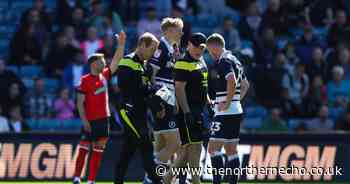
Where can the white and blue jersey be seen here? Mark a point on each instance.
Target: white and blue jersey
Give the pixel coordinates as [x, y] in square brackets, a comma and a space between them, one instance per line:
[228, 65]
[226, 124]
[164, 60]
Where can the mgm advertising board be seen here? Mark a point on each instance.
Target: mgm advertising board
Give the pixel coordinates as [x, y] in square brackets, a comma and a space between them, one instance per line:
[272, 157]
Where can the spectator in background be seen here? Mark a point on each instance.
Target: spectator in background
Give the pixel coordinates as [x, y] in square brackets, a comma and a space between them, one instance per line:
[297, 84]
[150, 24]
[45, 18]
[126, 9]
[274, 123]
[41, 32]
[269, 82]
[338, 88]
[17, 123]
[340, 29]
[305, 45]
[230, 34]
[322, 123]
[343, 60]
[70, 34]
[274, 17]
[250, 22]
[113, 24]
[79, 23]
[60, 55]
[292, 58]
[39, 103]
[64, 106]
[97, 19]
[266, 47]
[316, 97]
[105, 24]
[7, 78]
[294, 12]
[4, 126]
[25, 47]
[109, 48]
[64, 10]
[92, 43]
[340, 55]
[73, 72]
[318, 65]
[14, 98]
[343, 123]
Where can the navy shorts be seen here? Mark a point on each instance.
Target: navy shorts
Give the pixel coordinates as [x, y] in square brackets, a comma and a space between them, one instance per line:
[191, 133]
[167, 124]
[225, 128]
[99, 129]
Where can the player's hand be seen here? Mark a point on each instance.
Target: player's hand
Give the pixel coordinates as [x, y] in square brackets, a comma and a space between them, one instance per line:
[87, 126]
[121, 38]
[223, 106]
[161, 114]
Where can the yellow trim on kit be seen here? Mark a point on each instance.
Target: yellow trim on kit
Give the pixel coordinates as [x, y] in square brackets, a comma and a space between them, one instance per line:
[128, 122]
[184, 65]
[131, 64]
[189, 138]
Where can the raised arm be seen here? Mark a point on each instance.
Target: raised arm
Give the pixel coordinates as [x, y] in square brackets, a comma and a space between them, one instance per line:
[119, 53]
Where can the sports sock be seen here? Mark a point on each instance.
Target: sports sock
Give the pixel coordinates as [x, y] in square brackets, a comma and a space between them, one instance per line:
[96, 158]
[217, 163]
[80, 162]
[233, 163]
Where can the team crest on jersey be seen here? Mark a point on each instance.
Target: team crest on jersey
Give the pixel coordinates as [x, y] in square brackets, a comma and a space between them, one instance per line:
[172, 124]
[157, 53]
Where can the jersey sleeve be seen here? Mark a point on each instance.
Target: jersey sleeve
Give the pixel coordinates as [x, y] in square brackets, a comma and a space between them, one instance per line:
[181, 73]
[107, 73]
[226, 69]
[156, 59]
[82, 87]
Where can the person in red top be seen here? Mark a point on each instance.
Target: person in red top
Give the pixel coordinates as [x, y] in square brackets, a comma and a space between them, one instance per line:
[92, 103]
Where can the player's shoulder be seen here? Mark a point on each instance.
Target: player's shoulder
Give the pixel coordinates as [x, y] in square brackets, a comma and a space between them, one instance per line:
[86, 77]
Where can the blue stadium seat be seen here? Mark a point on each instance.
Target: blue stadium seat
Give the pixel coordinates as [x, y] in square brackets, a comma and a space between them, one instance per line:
[321, 32]
[252, 123]
[246, 44]
[334, 113]
[72, 125]
[294, 123]
[49, 125]
[13, 68]
[28, 83]
[255, 112]
[33, 124]
[30, 71]
[51, 85]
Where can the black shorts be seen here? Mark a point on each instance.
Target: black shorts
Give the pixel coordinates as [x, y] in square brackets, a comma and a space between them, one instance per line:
[226, 128]
[167, 124]
[191, 133]
[99, 129]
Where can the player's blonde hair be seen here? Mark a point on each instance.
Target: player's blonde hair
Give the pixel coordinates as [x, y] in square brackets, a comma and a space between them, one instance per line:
[169, 22]
[147, 38]
[216, 38]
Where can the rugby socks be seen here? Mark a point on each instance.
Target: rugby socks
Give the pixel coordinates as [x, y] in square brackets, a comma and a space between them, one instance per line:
[80, 162]
[233, 163]
[95, 161]
[217, 163]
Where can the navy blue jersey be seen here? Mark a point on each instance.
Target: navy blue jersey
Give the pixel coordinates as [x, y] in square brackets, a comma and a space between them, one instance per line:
[228, 65]
[164, 60]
